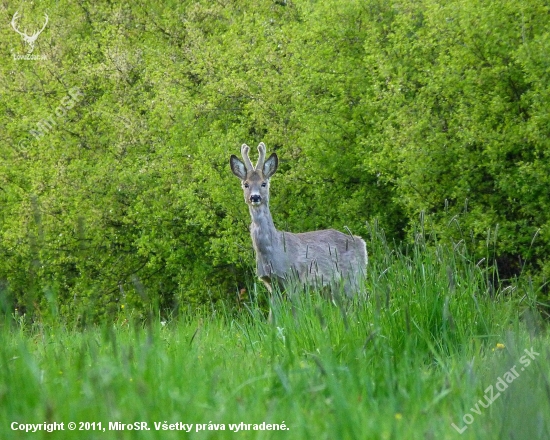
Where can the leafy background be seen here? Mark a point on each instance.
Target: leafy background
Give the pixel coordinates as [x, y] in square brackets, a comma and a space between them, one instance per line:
[399, 113]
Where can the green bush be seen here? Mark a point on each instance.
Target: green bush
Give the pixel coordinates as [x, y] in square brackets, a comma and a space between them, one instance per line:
[378, 111]
[459, 127]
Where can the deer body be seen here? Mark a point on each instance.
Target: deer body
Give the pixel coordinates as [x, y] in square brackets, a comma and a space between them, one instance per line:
[317, 259]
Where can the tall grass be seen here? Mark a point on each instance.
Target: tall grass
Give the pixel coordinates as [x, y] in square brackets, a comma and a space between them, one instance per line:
[406, 362]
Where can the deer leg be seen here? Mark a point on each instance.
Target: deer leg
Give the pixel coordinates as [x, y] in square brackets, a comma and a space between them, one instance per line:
[267, 283]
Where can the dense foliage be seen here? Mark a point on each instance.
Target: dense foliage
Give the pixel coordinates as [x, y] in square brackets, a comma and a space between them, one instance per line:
[114, 144]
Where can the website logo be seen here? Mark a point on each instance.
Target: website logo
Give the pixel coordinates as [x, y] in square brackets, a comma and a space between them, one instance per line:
[29, 40]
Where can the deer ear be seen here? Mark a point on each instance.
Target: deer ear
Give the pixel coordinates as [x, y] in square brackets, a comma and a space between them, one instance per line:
[237, 167]
[270, 166]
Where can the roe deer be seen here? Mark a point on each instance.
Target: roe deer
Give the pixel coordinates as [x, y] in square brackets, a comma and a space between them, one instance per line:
[317, 259]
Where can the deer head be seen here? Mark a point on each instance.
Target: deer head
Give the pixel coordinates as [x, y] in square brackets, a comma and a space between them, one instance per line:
[254, 180]
[28, 39]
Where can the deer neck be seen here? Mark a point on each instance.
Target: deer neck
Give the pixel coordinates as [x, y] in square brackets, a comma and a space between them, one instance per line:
[261, 218]
[262, 229]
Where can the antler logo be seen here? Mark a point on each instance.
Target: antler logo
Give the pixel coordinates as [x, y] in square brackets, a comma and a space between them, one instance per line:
[28, 39]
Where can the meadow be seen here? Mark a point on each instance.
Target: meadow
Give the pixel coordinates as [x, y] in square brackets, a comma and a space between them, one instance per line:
[440, 349]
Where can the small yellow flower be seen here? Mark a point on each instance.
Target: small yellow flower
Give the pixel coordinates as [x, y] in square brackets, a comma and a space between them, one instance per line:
[398, 416]
[122, 306]
[500, 346]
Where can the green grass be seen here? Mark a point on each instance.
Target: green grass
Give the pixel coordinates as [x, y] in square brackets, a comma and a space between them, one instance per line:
[405, 364]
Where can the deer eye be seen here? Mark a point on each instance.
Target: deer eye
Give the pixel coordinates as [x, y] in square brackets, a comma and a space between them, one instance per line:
[246, 185]
[264, 184]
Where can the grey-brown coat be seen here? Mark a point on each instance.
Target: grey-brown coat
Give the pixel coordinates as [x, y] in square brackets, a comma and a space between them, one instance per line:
[317, 259]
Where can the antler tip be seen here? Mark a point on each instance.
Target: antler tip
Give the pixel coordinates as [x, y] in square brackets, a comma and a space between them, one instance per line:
[244, 152]
[261, 159]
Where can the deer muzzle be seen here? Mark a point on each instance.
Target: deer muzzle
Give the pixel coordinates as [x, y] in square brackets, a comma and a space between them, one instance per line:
[255, 198]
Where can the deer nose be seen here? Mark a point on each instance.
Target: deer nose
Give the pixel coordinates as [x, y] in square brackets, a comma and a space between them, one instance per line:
[255, 198]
